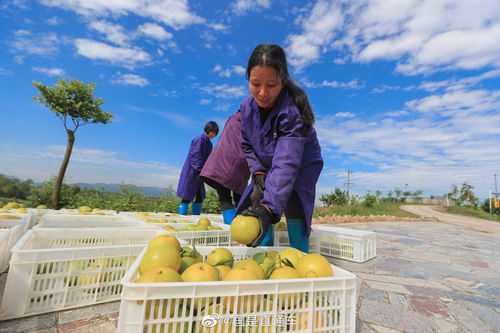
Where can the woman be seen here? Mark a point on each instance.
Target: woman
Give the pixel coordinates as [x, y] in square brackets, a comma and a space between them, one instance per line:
[226, 169]
[281, 147]
[190, 185]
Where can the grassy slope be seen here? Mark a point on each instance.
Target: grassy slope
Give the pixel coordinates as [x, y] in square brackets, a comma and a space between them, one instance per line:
[387, 209]
[474, 212]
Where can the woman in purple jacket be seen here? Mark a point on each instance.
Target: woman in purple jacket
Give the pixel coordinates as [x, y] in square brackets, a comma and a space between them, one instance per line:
[190, 185]
[281, 147]
[226, 169]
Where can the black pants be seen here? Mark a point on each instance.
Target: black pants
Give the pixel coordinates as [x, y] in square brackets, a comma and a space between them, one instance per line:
[197, 199]
[225, 198]
[294, 208]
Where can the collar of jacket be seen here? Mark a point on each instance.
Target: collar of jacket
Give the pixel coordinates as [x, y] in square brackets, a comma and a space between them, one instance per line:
[266, 127]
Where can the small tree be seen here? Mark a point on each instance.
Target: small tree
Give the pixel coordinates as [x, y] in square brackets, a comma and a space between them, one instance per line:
[463, 195]
[74, 104]
[336, 198]
[418, 193]
[369, 200]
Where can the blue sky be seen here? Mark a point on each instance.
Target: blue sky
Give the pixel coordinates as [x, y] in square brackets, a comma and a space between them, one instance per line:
[406, 93]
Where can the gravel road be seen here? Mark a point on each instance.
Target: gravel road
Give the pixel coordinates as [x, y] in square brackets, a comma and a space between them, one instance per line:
[439, 213]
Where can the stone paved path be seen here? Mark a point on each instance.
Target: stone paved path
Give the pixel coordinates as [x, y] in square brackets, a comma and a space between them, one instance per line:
[427, 277]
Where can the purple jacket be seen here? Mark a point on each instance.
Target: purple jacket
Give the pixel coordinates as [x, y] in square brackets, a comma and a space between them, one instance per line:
[285, 150]
[227, 164]
[189, 185]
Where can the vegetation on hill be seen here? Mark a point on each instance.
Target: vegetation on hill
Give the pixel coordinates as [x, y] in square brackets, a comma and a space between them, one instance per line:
[338, 202]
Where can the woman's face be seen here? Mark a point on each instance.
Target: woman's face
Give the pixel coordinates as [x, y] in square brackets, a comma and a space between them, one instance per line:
[264, 85]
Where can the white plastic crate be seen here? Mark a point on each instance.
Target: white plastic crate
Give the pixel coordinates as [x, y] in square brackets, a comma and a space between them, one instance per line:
[281, 239]
[80, 217]
[4, 249]
[20, 217]
[12, 230]
[348, 244]
[274, 305]
[38, 213]
[55, 269]
[184, 225]
[90, 223]
[169, 219]
[204, 237]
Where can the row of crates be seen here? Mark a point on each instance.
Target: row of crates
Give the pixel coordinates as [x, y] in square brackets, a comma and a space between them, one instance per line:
[336, 242]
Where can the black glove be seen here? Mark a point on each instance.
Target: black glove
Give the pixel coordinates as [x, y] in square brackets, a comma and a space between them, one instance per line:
[265, 217]
[259, 179]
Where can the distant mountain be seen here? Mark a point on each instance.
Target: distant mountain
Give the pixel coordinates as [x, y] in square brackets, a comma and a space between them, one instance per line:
[148, 191]
[145, 190]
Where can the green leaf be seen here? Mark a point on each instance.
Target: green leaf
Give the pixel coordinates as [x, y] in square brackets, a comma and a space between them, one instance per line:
[287, 262]
[269, 271]
[227, 262]
[259, 257]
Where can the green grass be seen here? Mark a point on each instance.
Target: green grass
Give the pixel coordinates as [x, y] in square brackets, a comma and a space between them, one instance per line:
[474, 212]
[387, 209]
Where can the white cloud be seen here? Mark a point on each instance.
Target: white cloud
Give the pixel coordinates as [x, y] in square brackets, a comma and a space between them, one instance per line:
[443, 139]
[174, 13]
[345, 115]
[385, 87]
[204, 101]
[53, 20]
[128, 57]
[50, 71]
[167, 93]
[318, 31]
[239, 70]
[457, 102]
[43, 44]
[224, 91]
[241, 7]
[131, 79]
[218, 26]
[422, 35]
[87, 165]
[155, 31]
[468, 82]
[114, 33]
[4, 71]
[353, 84]
[175, 117]
[397, 113]
[19, 59]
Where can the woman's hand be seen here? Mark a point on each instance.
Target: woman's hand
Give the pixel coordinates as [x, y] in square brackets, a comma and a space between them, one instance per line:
[266, 219]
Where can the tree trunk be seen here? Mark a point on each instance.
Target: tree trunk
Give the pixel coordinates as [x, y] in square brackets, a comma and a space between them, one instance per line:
[56, 193]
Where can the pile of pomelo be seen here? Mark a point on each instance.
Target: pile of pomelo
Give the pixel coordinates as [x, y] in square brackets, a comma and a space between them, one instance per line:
[166, 261]
[203, 224]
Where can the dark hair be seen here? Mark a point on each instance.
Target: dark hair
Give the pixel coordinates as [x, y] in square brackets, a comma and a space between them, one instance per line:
[274, 56]
[211, 126]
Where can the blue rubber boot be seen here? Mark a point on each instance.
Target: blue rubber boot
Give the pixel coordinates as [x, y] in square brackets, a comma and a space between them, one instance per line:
[183, 208]
[228, 215]
[297, 234]
[268, 238]
[196, 208]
